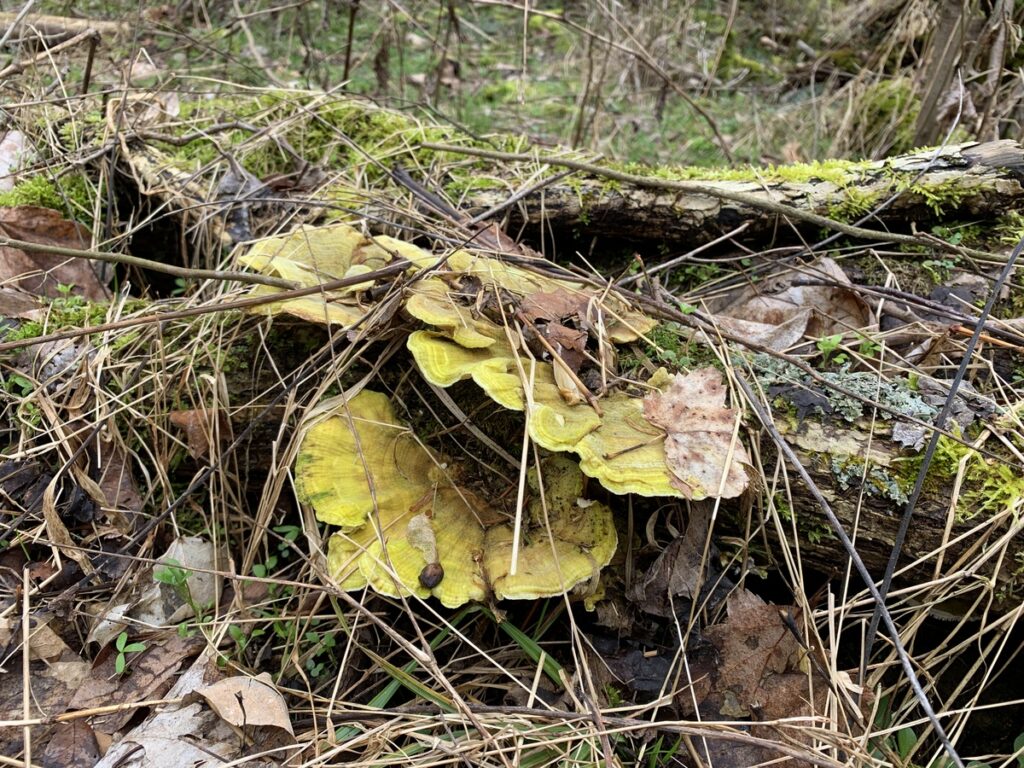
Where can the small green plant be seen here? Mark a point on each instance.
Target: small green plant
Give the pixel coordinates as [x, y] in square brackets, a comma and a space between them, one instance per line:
[17, 384]
[321, 654]
[123, 648]
[243, 638]
[289, 535]
[868, 347]
[938, 269]
[260, 570]
[173, 575]
[827, 345]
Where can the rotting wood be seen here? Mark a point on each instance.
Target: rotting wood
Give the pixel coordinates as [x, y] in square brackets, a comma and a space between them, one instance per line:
[821, 443]
[979, 180]
[57, 26]
[874, 516]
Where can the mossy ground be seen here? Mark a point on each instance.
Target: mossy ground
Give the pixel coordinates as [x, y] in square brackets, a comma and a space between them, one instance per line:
[71, 194]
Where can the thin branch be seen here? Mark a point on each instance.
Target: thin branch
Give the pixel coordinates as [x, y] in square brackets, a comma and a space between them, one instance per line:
[155, 266]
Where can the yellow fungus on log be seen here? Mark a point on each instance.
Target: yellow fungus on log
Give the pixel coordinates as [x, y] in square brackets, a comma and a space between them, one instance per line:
[358, 467]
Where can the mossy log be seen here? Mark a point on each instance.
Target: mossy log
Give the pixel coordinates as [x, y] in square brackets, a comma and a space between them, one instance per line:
[947, 533]
[920, 189]
[868, 501]
[532, 198]
[976, 182]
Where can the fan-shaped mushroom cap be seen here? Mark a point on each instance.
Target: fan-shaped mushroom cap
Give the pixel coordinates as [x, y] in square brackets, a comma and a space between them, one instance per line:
[400, 514]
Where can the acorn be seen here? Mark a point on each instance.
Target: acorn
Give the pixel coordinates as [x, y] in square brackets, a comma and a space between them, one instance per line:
[431, 575]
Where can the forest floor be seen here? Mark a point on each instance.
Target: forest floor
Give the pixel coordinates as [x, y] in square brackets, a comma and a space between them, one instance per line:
[475, 383]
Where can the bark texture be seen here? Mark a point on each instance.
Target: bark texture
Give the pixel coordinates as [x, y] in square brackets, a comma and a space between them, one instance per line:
[972, 181]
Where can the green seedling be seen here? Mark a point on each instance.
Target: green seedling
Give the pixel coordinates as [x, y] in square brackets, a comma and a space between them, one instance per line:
[123, 648]
[827, 345]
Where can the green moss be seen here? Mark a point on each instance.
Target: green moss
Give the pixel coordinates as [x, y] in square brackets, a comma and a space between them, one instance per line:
[336, 134]
[37, 190]
[887, 111]
[235, 357]
[853, 203]
[71, 311]
[991, 486]
[71, 195]
[839, 172]
[782, 507]
[940, 197]
[1009, 227]
[666, 345]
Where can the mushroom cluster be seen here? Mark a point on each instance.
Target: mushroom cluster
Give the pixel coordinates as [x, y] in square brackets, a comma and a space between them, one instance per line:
[536, 344]
[407, 528]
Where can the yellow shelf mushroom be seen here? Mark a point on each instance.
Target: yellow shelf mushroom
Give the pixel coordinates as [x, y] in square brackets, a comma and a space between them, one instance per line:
[406, 528]
[526, 339]
[310, 256]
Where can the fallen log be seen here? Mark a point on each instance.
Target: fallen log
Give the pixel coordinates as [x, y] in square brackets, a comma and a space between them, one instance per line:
[694, 206]
[59, 26]
[856, 461]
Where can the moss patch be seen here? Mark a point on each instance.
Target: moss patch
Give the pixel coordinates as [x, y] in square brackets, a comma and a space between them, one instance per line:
[71, 195]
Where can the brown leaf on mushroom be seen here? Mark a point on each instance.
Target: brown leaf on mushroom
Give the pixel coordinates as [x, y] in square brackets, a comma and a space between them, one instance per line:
[699, 443]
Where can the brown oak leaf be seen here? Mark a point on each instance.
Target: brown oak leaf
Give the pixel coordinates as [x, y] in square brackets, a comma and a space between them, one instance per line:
[699, 441]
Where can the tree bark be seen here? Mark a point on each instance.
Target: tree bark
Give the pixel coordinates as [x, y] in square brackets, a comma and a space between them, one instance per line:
[972, 181]
[943, 538]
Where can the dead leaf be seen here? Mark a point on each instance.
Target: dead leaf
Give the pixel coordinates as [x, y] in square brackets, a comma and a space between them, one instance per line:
[18, 304]
[186, 734]
[51, 684]
[755, 653]
[57, 532]
[198, 426]
[246, 702]
[680, 573]
[780, 311]
[117, 483]
[44, 273]
[567, 342]
[72, 745]
[699, 435]
[553, 306]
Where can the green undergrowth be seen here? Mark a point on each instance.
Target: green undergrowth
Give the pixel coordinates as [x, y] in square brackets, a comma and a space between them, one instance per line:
[665, 345]
[992, 484]
[72, 312]
[70, 194]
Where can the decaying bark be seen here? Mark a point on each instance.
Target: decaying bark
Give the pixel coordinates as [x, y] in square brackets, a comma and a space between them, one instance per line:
[969, 182]
[942, 539]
